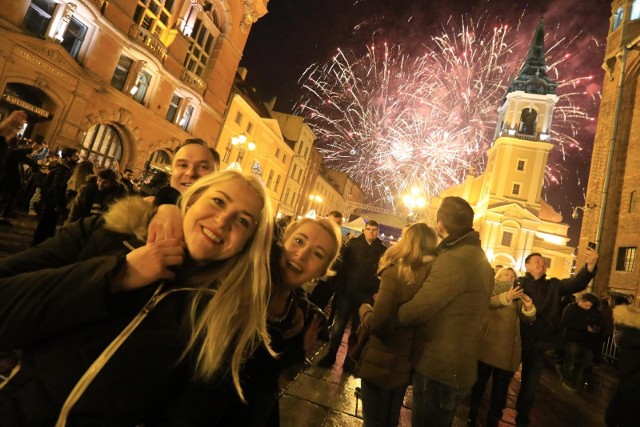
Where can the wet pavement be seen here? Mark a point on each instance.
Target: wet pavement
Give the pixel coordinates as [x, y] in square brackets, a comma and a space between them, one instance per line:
[319, 397]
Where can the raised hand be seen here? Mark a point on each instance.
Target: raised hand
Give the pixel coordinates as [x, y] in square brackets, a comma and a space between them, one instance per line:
[165, 224]
[592, 258]
[514, 293]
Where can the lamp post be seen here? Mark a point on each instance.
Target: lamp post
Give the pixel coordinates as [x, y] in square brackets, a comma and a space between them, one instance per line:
[414, 201]
[314, 198]
[240, 141]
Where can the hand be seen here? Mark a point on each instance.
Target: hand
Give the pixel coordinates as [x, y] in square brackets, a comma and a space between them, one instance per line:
[12, 124]
[149, 264]
[527, 302]
[311, 335]
[592, 259]
[514, 293]
[165, 224]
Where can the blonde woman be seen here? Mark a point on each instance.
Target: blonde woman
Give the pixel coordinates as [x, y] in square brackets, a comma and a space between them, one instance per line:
[499, 349]
[116, 332]
[385, 368]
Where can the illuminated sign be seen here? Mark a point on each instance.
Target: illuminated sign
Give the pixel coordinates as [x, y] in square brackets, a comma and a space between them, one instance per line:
[22, 104]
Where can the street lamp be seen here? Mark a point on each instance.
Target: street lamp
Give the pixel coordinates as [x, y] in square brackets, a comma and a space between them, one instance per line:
[240, 141]
[313, 198]
[414, 201]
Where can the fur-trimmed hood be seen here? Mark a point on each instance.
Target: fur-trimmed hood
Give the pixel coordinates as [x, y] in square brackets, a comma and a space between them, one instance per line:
[627, 316]
[130, 215]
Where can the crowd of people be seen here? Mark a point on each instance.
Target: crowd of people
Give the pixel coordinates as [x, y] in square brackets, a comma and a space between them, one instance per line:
[179, 301]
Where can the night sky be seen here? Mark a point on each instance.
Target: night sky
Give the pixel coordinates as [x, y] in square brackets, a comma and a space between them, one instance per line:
[297, 33]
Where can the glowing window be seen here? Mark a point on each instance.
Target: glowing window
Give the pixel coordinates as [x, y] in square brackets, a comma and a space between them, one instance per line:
[635, 10]
[617, 19]
[103, 145]
[626, 259]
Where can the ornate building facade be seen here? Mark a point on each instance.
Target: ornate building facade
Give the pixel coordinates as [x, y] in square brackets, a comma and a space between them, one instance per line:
[122, 80]
[611, 213]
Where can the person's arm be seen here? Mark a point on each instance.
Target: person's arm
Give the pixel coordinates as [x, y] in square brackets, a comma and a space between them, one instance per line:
[584, 276]
[444, 283]
[10, 126]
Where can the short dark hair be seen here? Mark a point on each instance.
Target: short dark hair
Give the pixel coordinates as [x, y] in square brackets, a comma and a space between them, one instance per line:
[108, 174]
[456, 215]
[67, 152]
[373, 223]
[335, 214]
[127, 170]
[531, 255]
[592, 298]
[200, 141]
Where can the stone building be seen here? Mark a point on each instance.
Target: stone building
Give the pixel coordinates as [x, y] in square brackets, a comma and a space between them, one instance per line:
[611, 215]
[123, 80]
[510, 214]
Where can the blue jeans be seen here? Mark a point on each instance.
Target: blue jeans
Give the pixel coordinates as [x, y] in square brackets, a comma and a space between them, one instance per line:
[380, 407]
[532, 367]
[347, 308]
[434, 404]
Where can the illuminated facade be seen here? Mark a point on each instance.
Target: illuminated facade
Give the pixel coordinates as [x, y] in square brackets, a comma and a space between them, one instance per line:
[511, 216]
[123, 80]
[611, 213]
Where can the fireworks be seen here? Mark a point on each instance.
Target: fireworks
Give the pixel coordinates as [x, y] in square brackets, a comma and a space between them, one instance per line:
[392, 120]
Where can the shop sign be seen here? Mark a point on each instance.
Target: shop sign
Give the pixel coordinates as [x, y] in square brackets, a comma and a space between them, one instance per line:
[25, 105]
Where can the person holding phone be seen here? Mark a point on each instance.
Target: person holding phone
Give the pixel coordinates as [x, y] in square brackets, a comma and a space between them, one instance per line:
[545, 333]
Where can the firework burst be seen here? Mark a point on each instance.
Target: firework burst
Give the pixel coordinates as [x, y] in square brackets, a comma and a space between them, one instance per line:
[393, 120]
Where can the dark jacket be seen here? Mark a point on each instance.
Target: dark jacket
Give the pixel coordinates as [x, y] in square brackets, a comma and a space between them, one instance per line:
[386, 361]
[449, 310]
[54, 189]
[575, 321]
[55, 304]
[13, 175]
[546, 294]
[92, 201]
[357, 274]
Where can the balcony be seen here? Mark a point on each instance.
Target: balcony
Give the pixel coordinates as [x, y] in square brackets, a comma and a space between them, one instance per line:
[149, 41]
[193, 80]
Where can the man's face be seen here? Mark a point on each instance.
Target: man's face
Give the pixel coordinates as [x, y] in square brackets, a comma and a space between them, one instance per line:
[536, 267]
[370, 233]
[584, 304]
[336, 219]
[103, 184]
[190, 163]
[128, 175]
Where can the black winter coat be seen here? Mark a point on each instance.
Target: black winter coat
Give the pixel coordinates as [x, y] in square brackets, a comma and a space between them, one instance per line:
[575, 321]
[91, 201]
[56, 305]
[54, 189]
[546, 331]
[359, 266]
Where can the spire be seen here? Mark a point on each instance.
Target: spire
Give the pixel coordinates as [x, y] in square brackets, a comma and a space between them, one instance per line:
[533, 76]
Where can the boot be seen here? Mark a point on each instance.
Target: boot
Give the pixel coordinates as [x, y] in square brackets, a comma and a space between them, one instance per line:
[328, 360]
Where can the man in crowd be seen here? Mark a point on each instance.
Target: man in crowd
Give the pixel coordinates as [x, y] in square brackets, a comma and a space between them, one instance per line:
[545, 333]
[127, 180]
[95, 197]
[54, 195]
[357, 283]
[448, 311]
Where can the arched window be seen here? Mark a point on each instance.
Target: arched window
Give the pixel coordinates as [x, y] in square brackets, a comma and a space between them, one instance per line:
[201, 29]
[635, 10]
[528, 119]
[103, 145]
[617, 19]
[159, 159]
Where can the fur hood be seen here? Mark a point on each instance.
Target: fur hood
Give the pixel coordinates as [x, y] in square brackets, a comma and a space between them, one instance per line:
[130, 215]
[627, 316]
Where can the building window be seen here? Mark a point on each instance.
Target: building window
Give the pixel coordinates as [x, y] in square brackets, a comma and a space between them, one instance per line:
[227, 153]
[201, 28]
[547, 261]
[506, 238]
[186, 117]
[275, 187]
[142, 85]
[102, 145]
[39, 16]
[159, 159]
[238, 118]
[521, 165]
[528, 118]
[626, 258]
[299, 173]
[286, 195]
[635, 10]
[617, 19]
[284, 158]
[293, 171]
[306, 151]
[270, 178]
[277, 153]
[516, 189]
[74, 37]
[153, 15]
[633, 202]
[249, 128]
[122, 72]
[174, 105]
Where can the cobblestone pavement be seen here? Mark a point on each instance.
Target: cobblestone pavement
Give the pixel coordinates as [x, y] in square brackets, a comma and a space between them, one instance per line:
[326, 397]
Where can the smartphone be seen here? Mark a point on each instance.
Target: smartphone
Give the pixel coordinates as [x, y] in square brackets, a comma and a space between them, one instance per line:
[591, 245]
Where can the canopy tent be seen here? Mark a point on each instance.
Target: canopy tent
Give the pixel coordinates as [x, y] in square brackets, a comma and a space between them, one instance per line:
[357, 224]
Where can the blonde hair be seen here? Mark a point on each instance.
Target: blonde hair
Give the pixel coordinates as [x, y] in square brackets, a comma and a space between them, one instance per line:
[418, 241]
[500, 273]
[230, 325]
[327, 225]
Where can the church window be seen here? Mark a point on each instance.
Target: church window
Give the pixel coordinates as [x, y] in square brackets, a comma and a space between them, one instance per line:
[507, 237]
[516, 189]
[102, 145]
[617, 19]
[635, 10]
[626, 258]
[528, 119]
[521, 164]
[633, 202]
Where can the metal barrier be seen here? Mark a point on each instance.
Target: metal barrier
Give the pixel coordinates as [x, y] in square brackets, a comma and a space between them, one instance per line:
[609, 348]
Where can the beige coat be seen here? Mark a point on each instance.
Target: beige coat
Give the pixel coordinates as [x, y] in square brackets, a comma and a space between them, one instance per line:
[500, 341]
[387, 358]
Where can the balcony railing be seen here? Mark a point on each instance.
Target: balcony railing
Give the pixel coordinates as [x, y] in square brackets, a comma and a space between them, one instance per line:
[193, 80]
[149, 41]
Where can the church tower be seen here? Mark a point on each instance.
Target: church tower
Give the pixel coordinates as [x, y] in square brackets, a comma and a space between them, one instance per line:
[521, 147]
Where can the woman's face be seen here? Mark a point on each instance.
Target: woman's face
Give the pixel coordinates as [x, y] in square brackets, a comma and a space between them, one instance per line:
[305, 255]
[508, 276]
[219, 223]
